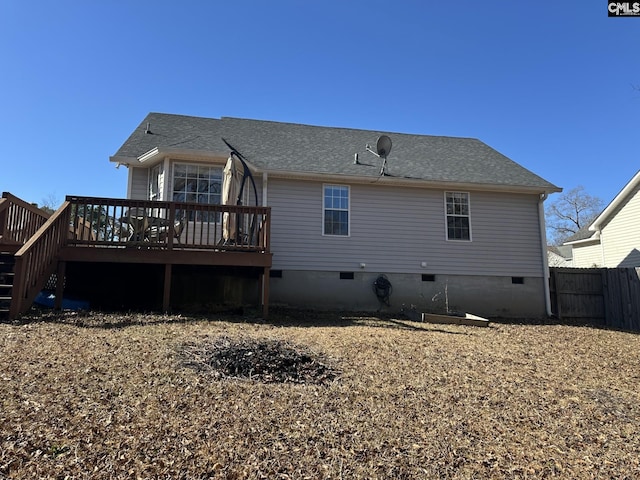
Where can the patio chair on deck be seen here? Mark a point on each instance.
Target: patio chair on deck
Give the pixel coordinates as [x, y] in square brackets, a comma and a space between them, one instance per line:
[138, 225]
[160, 233]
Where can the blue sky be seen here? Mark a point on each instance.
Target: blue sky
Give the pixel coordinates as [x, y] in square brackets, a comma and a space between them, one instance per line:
[553, 85]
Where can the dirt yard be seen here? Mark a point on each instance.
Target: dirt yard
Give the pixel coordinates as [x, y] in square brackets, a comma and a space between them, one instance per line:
[106, 397]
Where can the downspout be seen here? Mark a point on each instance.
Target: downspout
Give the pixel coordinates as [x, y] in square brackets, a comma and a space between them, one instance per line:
[545, 260]
[599, 235]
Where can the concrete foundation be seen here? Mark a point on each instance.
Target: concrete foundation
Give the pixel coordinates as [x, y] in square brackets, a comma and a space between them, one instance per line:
[508, 297]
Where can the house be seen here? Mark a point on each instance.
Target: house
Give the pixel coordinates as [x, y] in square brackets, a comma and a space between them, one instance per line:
[559, 256]
[444, 223]
[613, 238]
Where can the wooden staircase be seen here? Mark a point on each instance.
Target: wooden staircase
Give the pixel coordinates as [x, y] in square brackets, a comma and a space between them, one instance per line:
[7, 274]
[21, 266]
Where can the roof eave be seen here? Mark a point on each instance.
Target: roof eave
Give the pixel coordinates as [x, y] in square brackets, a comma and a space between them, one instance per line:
[595, 238]
[160, 153]
[615, 203]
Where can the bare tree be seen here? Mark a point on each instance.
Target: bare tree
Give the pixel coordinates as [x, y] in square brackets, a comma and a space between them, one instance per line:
[570, 212]
[50, 203]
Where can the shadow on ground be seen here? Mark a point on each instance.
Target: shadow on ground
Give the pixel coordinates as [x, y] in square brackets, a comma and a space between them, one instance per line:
[280, 316]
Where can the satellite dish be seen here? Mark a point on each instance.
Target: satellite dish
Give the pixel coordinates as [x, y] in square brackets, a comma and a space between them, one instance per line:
[383, 146]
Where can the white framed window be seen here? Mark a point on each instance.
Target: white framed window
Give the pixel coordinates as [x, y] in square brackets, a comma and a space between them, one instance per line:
[335, 210]
[458, 215]
[155, 179]
[197, 184]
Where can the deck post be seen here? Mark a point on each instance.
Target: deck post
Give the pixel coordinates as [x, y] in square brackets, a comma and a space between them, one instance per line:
[62, 267]
[265, 292]
[166, 296]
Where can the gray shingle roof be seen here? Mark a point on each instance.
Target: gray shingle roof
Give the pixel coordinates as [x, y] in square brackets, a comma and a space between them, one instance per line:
[581, 234]
[287, 147]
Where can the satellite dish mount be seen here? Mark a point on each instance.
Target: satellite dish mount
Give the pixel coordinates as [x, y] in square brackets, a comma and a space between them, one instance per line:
[383, 147]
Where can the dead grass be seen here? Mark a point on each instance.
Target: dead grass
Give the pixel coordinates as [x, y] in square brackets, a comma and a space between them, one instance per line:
[106, 397]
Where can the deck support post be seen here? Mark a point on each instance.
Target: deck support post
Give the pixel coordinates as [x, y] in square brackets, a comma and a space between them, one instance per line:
[264, 281]
[166, 296]
[62, 268]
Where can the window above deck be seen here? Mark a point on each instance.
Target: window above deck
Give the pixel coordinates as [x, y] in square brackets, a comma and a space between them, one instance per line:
[196, 183]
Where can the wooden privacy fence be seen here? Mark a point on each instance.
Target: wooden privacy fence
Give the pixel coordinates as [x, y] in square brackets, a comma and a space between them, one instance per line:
[601, 296]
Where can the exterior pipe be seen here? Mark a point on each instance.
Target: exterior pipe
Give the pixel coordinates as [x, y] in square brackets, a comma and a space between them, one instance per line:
[599, 235]
[545, 260]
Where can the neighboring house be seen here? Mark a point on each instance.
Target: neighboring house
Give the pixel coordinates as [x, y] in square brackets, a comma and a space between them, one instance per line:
[613, 238]
[559, 256]
[448, 221]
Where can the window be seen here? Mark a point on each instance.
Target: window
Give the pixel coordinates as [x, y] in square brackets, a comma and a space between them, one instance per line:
[336, 210]
[197, 183]
[458, 220]
[155, 179]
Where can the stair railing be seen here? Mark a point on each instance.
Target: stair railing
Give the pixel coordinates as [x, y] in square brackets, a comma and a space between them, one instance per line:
[37, 260]
[19, 220]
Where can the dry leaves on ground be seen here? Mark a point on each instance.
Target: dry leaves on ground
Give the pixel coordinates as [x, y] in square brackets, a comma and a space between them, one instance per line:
[106, 396]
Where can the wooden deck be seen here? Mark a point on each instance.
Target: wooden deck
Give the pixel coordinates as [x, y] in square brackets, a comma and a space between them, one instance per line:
[107, 231]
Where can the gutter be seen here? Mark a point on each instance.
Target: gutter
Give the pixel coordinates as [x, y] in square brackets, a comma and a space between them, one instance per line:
[545, 259]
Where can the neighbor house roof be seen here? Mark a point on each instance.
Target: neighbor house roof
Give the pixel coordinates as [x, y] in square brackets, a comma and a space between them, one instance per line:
[581, 236]
[288, 148]
[564, 251]
[591, 232]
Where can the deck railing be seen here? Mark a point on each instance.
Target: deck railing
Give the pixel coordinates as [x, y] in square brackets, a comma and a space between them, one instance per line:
[109, 222]
[119, 223]
[19, 220]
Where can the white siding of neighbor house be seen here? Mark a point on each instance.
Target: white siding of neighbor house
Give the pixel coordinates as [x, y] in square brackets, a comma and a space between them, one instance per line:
[620, 237]
[587, 255]
[395, 229]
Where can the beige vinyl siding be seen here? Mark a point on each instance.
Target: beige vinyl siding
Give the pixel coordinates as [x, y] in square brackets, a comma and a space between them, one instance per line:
[621, 236]
[587, 255]
[394, 230]
[139, 183]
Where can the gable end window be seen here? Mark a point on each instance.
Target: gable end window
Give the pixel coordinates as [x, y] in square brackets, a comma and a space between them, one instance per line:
[336, 210]
[458, 216]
